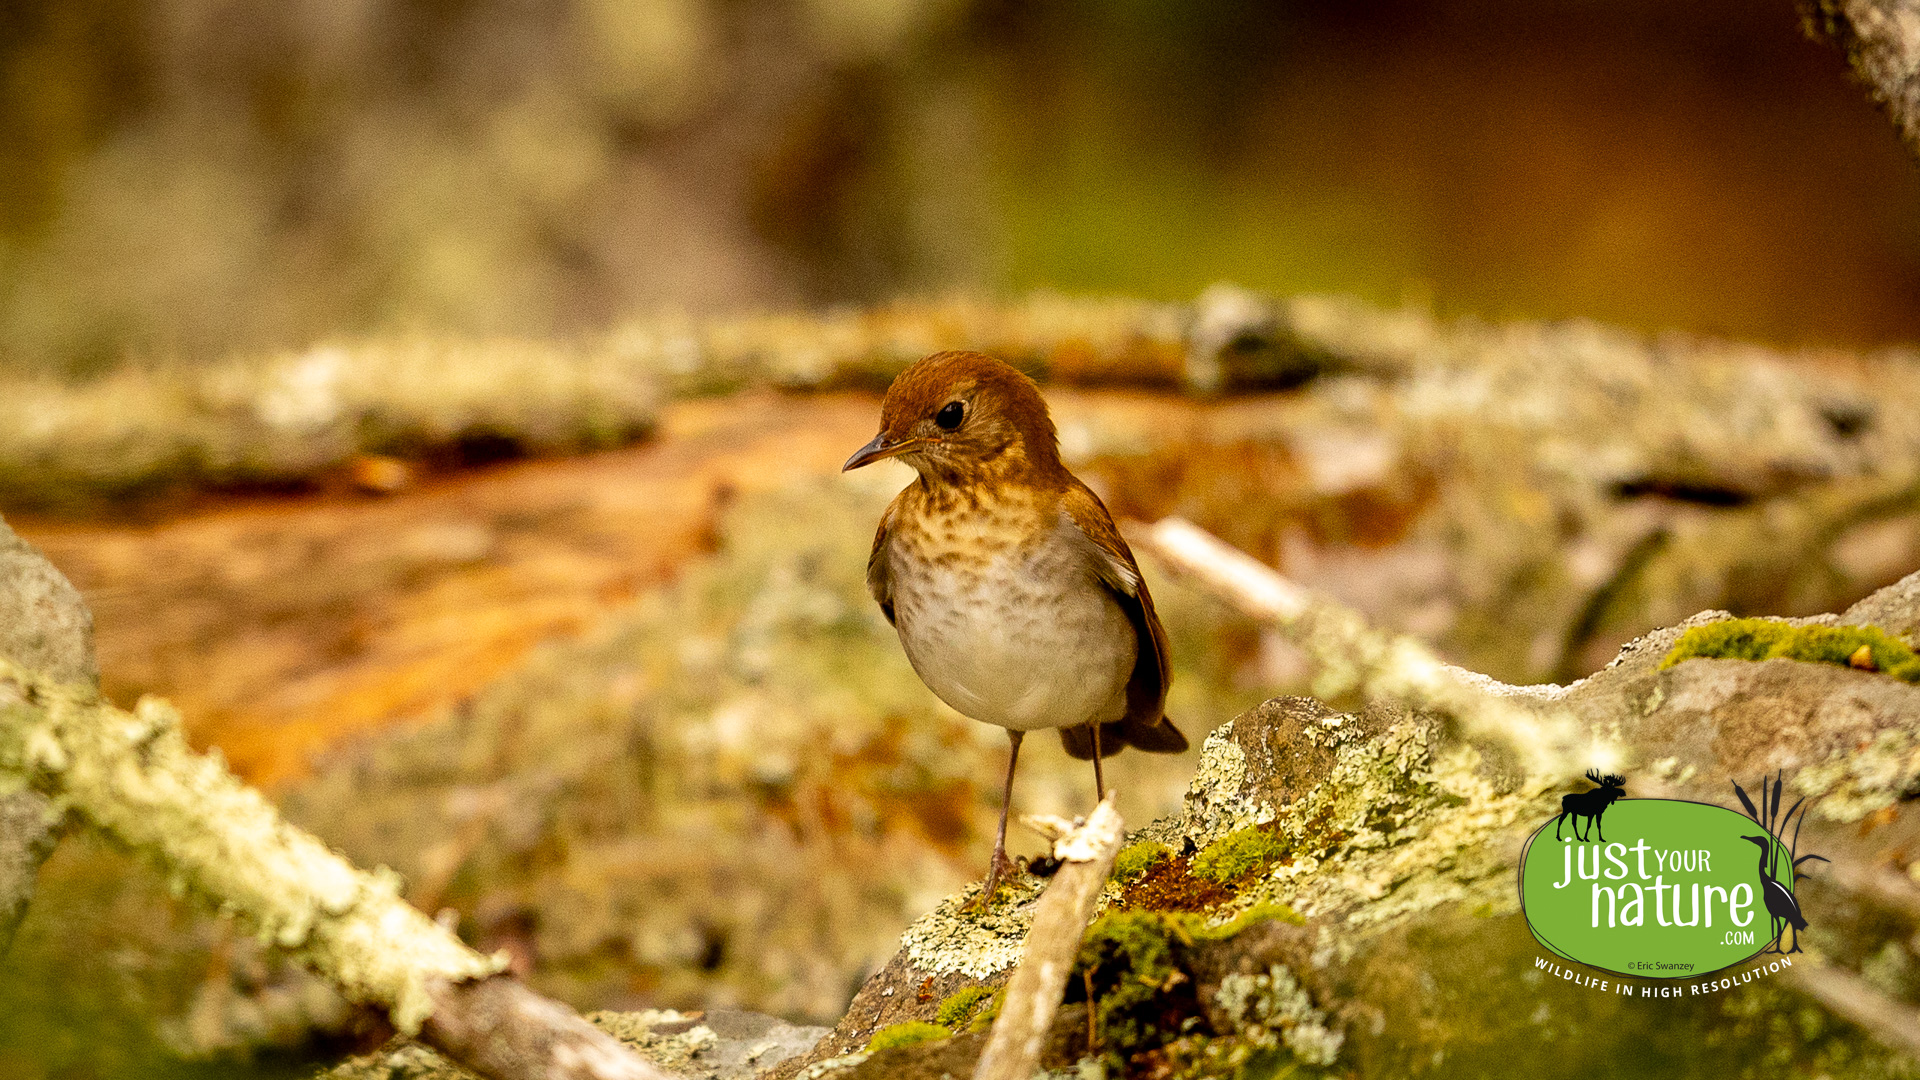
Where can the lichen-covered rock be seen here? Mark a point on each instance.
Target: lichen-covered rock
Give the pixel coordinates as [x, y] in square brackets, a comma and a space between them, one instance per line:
[1403, 950]
[44, 624]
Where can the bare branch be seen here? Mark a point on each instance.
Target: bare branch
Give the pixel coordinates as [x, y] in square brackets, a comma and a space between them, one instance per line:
[133, 776]
[1354, 657]
[1059, 920]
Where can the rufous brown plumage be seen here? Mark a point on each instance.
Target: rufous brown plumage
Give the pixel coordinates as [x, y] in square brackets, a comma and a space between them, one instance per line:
[1015, 597]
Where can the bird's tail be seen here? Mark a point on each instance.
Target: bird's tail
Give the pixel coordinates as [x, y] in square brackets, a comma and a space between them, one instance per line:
[1159, 737]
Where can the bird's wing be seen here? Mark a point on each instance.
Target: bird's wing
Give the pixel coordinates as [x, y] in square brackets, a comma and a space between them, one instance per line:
[1086, 522]
[879, 575]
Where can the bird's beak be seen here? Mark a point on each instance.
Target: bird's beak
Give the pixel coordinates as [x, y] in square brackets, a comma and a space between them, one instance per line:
[876, 450]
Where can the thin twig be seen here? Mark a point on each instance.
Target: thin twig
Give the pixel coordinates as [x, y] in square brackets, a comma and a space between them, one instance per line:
[1086, 854]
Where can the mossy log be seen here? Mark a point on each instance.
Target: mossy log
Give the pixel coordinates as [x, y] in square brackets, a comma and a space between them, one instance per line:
[291, 417]
[282, 420]
[1525, 497]
[133, 777]
[1379, 934]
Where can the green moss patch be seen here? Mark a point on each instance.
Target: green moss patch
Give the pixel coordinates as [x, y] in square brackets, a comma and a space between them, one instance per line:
[907, 1034]
[959, 1008]
[1166, 885]
[1133, 960]
[1153, 878]
[1239, 854]
[1766, 639]
[1136, 859]
[1137, 963]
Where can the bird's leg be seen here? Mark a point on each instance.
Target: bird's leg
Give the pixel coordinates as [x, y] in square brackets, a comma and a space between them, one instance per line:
[1000, 864]
[1099, 781]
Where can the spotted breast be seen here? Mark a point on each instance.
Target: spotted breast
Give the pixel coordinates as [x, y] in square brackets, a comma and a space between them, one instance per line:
[985, 599]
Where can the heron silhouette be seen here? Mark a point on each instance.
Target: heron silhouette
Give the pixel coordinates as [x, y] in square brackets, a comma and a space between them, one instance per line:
[1780, 902]
[1779, 898]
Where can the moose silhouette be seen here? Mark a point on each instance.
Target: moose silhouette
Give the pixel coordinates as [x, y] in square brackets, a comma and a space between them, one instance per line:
[1590, 804]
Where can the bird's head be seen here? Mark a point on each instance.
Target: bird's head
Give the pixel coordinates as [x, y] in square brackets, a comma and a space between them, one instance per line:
[1765, 842]
[956, 416]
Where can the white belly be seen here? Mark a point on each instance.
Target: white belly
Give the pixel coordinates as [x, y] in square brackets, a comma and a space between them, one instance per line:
[1025, 644]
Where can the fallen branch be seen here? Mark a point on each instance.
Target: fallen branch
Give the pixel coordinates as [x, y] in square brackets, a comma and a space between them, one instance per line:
[1086, 855]
[133, 776]
[1353, 657]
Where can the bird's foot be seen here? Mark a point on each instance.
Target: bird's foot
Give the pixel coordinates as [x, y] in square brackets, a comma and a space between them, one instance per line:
[1000, 869]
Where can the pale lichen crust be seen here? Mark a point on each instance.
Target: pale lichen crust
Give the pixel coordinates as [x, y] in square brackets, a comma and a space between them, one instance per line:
[133, 776]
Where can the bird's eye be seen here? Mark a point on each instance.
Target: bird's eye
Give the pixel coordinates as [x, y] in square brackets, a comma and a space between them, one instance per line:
[950, 415]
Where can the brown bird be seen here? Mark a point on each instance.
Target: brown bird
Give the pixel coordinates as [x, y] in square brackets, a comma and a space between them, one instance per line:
[1015, 598]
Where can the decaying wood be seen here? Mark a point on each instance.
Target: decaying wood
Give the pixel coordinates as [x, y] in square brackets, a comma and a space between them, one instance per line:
[1354, 657]
[299, 415]
[1882, 41]
[132, 776]
[1086, 855]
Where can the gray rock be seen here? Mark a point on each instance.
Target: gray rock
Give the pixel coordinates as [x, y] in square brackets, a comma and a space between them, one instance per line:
[44, 626]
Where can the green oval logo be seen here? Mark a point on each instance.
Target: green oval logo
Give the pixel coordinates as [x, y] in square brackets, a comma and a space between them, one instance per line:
[1674, 890]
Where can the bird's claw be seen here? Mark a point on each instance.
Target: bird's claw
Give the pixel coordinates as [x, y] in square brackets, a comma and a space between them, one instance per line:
[999, 870]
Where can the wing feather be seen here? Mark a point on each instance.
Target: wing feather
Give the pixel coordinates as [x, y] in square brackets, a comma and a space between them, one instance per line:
[879, 573]
[1111, 560]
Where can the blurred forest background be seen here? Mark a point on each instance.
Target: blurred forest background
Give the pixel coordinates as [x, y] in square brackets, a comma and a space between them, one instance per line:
[629, 715]
[183, 178]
